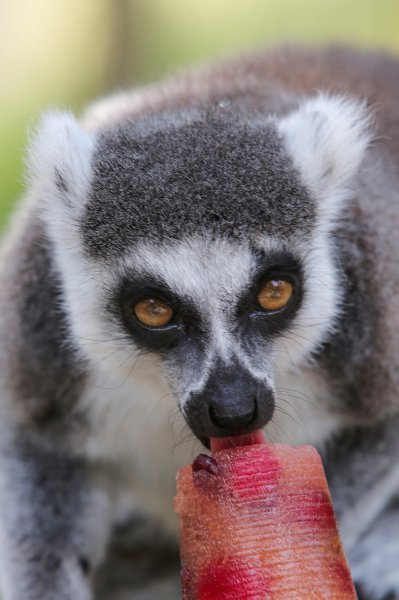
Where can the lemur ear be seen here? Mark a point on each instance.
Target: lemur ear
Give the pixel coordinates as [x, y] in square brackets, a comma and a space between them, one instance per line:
[327, 137]
[59, 160]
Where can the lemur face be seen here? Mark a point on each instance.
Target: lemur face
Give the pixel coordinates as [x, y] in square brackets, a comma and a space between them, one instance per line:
[212, 310]
[203, 239]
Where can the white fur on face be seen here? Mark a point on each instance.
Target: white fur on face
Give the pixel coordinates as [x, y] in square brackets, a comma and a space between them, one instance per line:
[211, 275]
[215, 275]
[320, 306]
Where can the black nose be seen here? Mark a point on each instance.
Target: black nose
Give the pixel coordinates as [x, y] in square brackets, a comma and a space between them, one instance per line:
[231, 403]
[235, 422]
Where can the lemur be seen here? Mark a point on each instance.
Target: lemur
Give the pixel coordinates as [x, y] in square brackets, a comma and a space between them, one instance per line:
[212, 254]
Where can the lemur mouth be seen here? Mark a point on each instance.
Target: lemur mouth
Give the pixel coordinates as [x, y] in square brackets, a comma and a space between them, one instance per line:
[246, 439]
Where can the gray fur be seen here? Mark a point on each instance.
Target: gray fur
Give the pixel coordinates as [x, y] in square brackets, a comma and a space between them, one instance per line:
[184, 173]
[35, 333]
[362, 355]
[373, 451]
[195, 168]
[45, 500]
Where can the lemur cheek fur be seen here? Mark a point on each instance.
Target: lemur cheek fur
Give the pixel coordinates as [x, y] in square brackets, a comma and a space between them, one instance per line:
[199, 258]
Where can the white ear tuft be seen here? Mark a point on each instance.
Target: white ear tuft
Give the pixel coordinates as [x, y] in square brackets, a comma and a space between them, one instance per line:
[327, 137]
[59, 159]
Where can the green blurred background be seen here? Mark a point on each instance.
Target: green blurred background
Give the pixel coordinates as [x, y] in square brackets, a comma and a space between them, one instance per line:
[67, 52]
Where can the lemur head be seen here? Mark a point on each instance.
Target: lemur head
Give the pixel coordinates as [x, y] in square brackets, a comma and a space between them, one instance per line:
[203, 238]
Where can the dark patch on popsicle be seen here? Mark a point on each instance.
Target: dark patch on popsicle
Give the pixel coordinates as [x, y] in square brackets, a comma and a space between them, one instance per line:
[203, 462]
[206, 473]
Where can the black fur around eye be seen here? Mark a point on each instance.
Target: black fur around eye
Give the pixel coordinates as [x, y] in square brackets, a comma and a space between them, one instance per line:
[153, 316]
[160, 332]
[275, 296]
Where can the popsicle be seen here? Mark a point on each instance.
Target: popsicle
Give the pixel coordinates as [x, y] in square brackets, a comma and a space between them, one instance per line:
[257, 523]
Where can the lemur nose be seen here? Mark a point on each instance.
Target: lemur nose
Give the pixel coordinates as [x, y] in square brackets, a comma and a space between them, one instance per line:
[234, 423]
[232, 402]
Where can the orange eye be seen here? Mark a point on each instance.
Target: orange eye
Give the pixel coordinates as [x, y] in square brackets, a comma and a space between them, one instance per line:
[276, 294]
[153, 312]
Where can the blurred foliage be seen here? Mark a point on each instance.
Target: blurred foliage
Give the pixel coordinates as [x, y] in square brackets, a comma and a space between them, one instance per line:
[67, 52]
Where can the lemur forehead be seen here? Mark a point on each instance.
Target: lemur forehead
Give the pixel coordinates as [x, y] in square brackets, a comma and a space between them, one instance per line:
[194, 267]
[205, 171]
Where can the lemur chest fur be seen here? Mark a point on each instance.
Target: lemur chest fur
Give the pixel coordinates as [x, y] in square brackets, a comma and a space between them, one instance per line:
[146, 459]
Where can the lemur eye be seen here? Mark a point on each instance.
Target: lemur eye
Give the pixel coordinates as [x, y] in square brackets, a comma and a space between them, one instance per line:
[153, 312]
[275, 294]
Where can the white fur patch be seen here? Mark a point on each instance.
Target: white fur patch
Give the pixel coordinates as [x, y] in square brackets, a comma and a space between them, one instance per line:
[59, 164]
[320, 305]
[301, 414]
[210, 274]
[138, 429]
[59, 159]
[327, 137]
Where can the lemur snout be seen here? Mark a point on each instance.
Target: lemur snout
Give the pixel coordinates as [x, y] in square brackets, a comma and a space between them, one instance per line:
[232, 402]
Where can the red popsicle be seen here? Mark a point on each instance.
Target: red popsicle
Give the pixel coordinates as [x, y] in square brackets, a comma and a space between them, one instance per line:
[257, 523]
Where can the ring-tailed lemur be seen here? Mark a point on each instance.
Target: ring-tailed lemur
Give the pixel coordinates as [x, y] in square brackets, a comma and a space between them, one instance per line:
[218, 250]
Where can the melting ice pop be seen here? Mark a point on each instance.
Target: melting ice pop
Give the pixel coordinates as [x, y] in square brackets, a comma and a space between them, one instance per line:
[257, 523]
